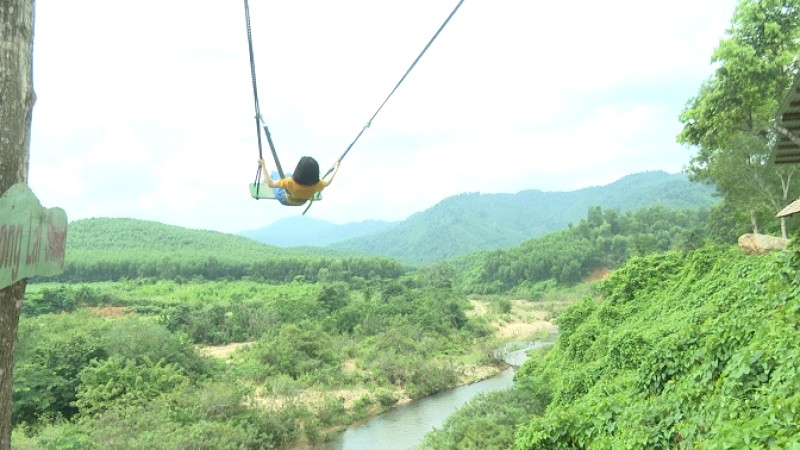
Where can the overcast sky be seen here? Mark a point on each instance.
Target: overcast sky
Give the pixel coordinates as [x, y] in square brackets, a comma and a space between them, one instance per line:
[145, 108]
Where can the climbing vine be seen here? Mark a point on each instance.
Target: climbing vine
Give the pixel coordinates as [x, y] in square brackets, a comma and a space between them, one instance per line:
[694, 350]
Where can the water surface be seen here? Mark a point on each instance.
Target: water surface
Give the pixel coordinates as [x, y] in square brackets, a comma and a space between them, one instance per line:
[404, 427]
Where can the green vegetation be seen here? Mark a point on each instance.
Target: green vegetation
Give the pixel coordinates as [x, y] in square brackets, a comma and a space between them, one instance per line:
[682, 350]
[693, 348]
[674, 350]
[685, 345]
[163, 337]
[466, 223]
[488, 422]
[731, 120]
[321, 351]
[601, 241]
[118, 249]
[122, 365]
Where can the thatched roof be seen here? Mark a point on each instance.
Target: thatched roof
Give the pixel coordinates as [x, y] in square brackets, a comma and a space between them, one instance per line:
[788, 117]
[792, 208]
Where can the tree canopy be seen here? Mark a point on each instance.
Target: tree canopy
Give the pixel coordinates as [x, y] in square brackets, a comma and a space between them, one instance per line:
[731, 119]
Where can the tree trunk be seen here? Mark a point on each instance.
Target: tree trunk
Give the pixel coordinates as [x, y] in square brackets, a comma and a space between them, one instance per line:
[16, 109]
[783, 228]
[10, 301]
[754, 221]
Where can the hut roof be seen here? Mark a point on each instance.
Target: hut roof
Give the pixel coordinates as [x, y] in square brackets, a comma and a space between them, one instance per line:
[791, 208]
[788, 116]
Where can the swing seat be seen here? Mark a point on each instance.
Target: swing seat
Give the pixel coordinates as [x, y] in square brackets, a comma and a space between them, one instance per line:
[260, 191]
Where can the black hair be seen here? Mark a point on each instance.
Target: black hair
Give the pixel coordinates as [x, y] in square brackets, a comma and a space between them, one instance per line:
[307, 171]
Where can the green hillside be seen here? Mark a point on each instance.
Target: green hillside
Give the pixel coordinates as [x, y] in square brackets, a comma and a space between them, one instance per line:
[121, 234]
[103, 249]
[678, 350]
[470, 222]
[601, 241]
[697, 352]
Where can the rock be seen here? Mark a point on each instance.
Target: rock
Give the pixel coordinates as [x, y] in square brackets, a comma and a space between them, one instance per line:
[757, 244]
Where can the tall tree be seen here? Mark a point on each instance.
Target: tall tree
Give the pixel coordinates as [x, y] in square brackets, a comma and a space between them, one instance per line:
[731, 120]
[16, 107]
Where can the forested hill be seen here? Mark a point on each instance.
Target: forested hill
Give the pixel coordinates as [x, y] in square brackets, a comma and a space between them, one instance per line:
[600, 242]
[674, 350]
[121, 234]
[471, 222]
[693, 350]
[102, 249]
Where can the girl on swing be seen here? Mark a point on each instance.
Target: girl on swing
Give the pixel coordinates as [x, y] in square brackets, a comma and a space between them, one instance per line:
[299, 186]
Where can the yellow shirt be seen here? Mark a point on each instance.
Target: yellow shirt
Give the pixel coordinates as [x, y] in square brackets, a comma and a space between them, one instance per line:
[297, 194]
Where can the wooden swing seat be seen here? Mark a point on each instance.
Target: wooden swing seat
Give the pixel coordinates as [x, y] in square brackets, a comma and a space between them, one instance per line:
[260, 191]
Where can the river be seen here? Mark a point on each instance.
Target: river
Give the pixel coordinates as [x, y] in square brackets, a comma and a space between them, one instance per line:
[404, 427]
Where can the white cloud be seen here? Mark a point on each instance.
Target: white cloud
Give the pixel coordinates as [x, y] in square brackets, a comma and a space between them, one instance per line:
[145, 109]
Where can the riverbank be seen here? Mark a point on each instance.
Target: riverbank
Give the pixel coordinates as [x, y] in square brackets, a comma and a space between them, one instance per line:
[510, 320]
[406, 427]
[314, 359]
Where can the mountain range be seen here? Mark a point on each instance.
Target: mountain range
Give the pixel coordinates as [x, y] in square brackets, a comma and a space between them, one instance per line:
[470, 222]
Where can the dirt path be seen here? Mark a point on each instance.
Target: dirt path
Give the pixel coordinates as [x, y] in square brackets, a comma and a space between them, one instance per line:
[222, 351]
[111, 312]
[523, 322]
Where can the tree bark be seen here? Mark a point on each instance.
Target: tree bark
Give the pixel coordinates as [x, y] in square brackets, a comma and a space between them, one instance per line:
[16, 108]
[754, 221]
[10, 302]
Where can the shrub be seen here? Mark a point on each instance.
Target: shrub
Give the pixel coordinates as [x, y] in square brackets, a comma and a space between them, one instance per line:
[118, 379]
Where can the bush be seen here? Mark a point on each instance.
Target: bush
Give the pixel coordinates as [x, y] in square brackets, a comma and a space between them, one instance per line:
[52, 351]
[386, 397]
[117, 379]
[61, 299]
[430, 377]
[143, 342]
[184, 418]
[489, 421]
[297, 350]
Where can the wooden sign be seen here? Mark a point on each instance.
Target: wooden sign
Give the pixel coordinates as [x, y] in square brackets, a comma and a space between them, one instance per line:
[33, 239]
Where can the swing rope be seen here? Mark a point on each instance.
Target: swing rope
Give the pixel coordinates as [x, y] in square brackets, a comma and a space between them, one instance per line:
[369, 122]
[259, 119]
[410, 68]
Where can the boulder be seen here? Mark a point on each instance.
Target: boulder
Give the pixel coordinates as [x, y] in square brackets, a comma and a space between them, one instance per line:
[757, 244]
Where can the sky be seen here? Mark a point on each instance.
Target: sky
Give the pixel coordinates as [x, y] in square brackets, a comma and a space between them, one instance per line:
[145, 108]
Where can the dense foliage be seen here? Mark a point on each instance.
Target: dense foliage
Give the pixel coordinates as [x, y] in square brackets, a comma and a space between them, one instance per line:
[116, 249]
[683, 351]
[690, 350]
[731, 121]
[117, 365]
[602, 240]
[489, 421]
[467, 223]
